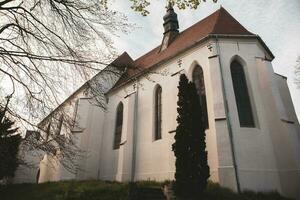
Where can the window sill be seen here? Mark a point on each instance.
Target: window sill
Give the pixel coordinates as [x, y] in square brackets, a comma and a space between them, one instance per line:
[157, 140]
[77, 130]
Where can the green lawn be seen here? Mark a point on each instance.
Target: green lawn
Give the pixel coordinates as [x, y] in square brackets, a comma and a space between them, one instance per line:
[81, 190]
[100, 190]
[215, 192]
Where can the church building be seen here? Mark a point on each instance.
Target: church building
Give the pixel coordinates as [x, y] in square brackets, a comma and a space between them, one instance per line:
[252, 131]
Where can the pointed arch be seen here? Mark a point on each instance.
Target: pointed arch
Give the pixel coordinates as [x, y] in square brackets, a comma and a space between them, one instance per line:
[242, 98]
[118, 126]
[239, 59]
[157, 112]
[198, 79]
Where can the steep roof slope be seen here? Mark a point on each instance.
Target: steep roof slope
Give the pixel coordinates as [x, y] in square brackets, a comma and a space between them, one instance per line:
[219, 22]
[124, 60]
[226, 24]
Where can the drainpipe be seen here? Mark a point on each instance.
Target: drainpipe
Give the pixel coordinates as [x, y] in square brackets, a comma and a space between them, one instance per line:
[135, 126]
[228, 119]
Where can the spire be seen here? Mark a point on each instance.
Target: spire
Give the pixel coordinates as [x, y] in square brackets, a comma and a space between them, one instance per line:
[170, 26]
[170, 20]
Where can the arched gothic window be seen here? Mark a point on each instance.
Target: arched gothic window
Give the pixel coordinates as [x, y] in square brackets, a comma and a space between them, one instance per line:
[241, 95]
[119, 124]
[198, 79]
[157, 113]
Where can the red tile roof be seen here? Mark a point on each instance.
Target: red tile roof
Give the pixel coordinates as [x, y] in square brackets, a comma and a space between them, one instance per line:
[219, 22]
[123, 61]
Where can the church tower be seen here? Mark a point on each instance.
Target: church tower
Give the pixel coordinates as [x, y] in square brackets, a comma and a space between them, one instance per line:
[170, 27]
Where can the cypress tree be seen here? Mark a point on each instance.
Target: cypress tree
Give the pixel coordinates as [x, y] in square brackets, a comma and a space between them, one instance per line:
[192, 170]
[180, 147]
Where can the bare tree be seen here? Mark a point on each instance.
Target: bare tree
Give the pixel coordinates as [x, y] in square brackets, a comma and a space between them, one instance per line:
[47, 48]
[50, 47]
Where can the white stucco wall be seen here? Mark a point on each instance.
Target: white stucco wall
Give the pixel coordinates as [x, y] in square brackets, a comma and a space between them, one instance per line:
[89, 119]
[267, 156]
[154, 159]
[26, 174]
[261, 165]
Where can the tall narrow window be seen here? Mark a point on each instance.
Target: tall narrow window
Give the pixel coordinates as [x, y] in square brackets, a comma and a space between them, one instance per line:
[241, 95]
[60, 124]
[75, 125]
[198, 79]
[157, 113]
[119, 124]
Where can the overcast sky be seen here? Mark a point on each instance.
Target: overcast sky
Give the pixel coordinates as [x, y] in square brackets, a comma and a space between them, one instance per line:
[277, 22]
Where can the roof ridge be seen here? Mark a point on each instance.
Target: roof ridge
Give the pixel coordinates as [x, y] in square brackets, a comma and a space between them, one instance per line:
[205, 18]
[223, 14]
[217, 20]
[180, 33]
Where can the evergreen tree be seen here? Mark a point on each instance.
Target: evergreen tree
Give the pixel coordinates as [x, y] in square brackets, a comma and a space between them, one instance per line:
[9, 146]
[180, 147]
[192, 170]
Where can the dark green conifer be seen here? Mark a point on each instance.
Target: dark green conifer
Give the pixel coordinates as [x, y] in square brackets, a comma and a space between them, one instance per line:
[192, 170]
[9, 146]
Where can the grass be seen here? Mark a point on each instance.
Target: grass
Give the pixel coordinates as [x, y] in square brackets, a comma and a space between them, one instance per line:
[216, 192]
[68, 190]
[102, 190]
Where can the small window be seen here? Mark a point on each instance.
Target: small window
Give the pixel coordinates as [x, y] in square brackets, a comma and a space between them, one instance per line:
[119, 124]
[198, 79]
[60, 124]
[75, 125]
[241, 95]
[48, 131]
[157, 113]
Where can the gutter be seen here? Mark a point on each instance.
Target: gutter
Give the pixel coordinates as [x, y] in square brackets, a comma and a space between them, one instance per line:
[228, 119]
[135, 127]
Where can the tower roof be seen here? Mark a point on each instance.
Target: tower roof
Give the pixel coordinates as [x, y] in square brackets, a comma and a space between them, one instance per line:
[171, 27]
[218, 23]
[170, 15]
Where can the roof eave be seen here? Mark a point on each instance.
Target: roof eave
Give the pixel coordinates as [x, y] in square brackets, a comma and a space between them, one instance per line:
[202, 40]
[83, 87]
[246, 36]
[134, 77]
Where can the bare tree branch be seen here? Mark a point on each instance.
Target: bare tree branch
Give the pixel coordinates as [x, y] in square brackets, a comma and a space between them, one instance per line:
[48, 48]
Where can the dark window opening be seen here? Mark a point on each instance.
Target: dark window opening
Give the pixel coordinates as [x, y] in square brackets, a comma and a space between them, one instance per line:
[60, 124]
[241, 95]
[198, 79]
[119, 124]
[158, 105]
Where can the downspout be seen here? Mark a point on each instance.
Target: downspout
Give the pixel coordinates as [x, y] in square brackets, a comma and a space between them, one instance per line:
[135, 126]
[228, 119]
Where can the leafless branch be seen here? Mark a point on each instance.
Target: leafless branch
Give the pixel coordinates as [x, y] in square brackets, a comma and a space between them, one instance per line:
[48, 48]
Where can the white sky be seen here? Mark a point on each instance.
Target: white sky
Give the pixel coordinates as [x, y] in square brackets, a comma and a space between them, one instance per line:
[277, 22]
